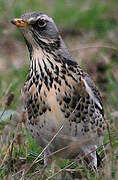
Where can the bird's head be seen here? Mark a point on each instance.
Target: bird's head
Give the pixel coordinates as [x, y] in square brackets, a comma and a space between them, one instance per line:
[40, 33]
[39, 30]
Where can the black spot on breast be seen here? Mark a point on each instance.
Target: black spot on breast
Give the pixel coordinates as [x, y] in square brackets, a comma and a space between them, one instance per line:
[67, 114]
[67, 84]
[75, 129]
[100, 119]
[38, 134]
[35, 111]
[88, 97]
[78, 107]
[40, 113]
[30, 101]
[60, 102]
[32, 123]
[37, 76]
[43, 102]
[56, 79]
[96, 123]
[67, 99]
[39, 87]
[55, 86]
[91, 114]
[88, 102]
[33, 106]
[31, 130]
[63, 71]
[58, 89]
[56, 70]
[46, 81]
[85, 112]
[93, 122]
[66, 106]
[78, 114]
[62, 77]
[71, 68]
[83, 118]
[36, 83]
[30, 85]
[35, 98]
[100, 125]
[45, 94]
[52, 66]
[29, 117]
[62, 109]
[83, 99]
[82, 107]
[86, 129]
[49, 108]
[34, 79]
[41, 99]
[59, 81]
[86, 107]
[44, 109]
[28, 77]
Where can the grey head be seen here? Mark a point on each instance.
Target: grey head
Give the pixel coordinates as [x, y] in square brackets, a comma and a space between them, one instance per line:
[42, 25]
[37, 26]
[40, 31]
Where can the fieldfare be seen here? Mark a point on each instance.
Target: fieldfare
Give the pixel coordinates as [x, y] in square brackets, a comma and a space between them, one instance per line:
[58, 94]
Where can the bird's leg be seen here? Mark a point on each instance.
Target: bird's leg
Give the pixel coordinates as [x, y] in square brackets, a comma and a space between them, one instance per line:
[45, 158]
[91, 158]
[93, 161]
[46, 161]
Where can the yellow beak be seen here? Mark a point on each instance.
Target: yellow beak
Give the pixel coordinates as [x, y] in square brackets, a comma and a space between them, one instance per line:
[19, 22]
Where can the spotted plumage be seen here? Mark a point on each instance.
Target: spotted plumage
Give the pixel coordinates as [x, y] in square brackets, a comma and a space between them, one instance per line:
[58, 92]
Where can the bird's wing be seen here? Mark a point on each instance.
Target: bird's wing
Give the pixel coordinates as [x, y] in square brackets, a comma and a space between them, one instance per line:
[91, 89]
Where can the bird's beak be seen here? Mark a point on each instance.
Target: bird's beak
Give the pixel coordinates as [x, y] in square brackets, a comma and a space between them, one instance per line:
[19, 22]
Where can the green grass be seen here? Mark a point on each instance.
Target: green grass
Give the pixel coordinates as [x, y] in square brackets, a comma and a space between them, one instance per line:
[74, 15]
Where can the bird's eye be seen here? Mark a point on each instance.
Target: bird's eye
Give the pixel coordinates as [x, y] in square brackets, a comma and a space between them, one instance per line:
[41, 22]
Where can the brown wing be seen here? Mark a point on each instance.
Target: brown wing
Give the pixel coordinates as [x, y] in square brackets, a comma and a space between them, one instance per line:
[93, 92]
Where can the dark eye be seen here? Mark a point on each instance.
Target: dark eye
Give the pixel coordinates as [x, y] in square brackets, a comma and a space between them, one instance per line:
[41, 22]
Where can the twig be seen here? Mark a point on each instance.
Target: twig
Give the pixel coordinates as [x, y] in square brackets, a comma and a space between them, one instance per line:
[96, 46]
[3, 112]
[7, 90]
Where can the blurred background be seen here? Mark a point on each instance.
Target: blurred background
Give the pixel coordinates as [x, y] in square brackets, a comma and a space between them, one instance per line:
[90, 31]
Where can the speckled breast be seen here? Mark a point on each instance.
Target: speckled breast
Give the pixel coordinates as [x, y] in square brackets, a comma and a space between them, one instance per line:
[49, 110]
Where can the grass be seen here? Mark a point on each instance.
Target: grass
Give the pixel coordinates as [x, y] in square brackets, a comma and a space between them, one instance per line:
[92, 23]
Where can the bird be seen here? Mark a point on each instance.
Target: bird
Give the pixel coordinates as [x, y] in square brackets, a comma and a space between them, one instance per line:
[60, 99]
